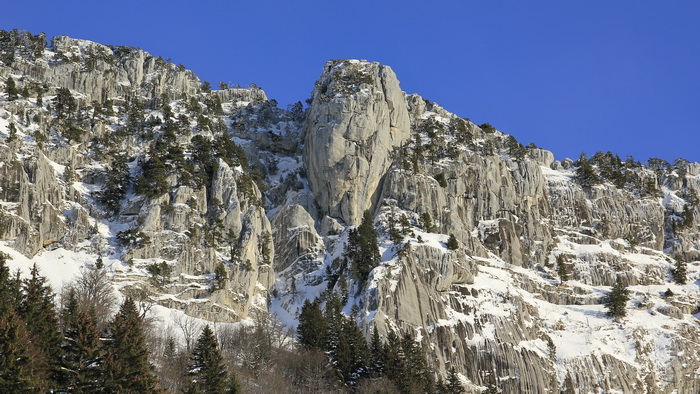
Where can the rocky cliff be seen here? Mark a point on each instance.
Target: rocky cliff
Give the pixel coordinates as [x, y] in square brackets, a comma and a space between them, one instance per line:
[222, 205]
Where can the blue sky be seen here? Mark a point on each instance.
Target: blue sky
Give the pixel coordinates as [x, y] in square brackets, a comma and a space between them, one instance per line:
[570, 76]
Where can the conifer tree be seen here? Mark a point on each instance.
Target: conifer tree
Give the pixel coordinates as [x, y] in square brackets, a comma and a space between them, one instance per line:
[679, 272]
[126, 365]
[585, 174]
[351, 356]
[17, 366]
[37, 309]
[377, 350]
[312, 326]
[453, 385]
[9, 289]
[427, 222]
[416, 373]
[687, 216]
[16, 347]
[81, 361]
[64, 103]
[134, 117]
[406, 365]
[12, 132]
[617, 299]
[116, 185]
[362, 248]
[233, 385]
[452, 243]
[153, 181]
[11, 89]
[393, 358]
[562, 270]
[207, 371]
[394, 232]
[220, 277]
[333, 317]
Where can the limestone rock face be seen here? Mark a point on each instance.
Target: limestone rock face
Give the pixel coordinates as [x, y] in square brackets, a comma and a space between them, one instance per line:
[234, 95]
[296, 238]
[109, 72]
[614, 213]
[506, 201]
[357, 117]
[170, 217]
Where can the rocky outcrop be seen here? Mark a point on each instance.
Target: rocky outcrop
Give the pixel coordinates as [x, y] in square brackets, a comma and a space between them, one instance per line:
[296, 238]
[610, 212]
[505, 200]
[235, 95]
[188, 226]
[101, 72]
[357, 117]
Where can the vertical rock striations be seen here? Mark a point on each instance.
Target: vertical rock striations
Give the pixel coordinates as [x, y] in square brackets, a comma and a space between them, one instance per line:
[357, 117]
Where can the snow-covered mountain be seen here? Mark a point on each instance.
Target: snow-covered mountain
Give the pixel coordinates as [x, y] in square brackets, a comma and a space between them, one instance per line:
[218, 204]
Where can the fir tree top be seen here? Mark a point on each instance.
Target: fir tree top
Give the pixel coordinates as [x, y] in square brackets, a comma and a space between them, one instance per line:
[207, 366]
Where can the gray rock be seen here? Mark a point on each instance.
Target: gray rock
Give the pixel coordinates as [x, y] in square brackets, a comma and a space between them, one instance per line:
[357, 117]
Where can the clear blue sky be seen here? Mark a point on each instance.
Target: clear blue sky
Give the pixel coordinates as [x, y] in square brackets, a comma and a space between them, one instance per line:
[570, 76]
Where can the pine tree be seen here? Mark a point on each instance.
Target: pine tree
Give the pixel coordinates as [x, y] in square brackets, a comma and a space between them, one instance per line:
[153, 182]
[333, 316]
[394, 232]
[687, 216]
[11, 89]
[37, 309]
[220, 277]
[351, 357]
[453, 384]
[417, 377]
[427, 222]
[312, 326]
[377, 350]
[116, 185]
[126, 365]
[362, 248]
[17, 366]
[562, 270]
[10, 289]
[452, 243]
[12, 132]
[617, 299]
[406, 228]
[81, 361]
[17, 361]
[680, 271]
[64, 103]
[585, 174]
[405, 365]
[134, 117]
[394, 358]
[207, 367]
[233, 386]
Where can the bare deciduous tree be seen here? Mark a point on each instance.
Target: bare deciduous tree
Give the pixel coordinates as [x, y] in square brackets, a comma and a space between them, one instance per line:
[93, 290]
[190, 328]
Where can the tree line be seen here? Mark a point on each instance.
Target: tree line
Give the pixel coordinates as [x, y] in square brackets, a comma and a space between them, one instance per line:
[396, 364]
[77, 348]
